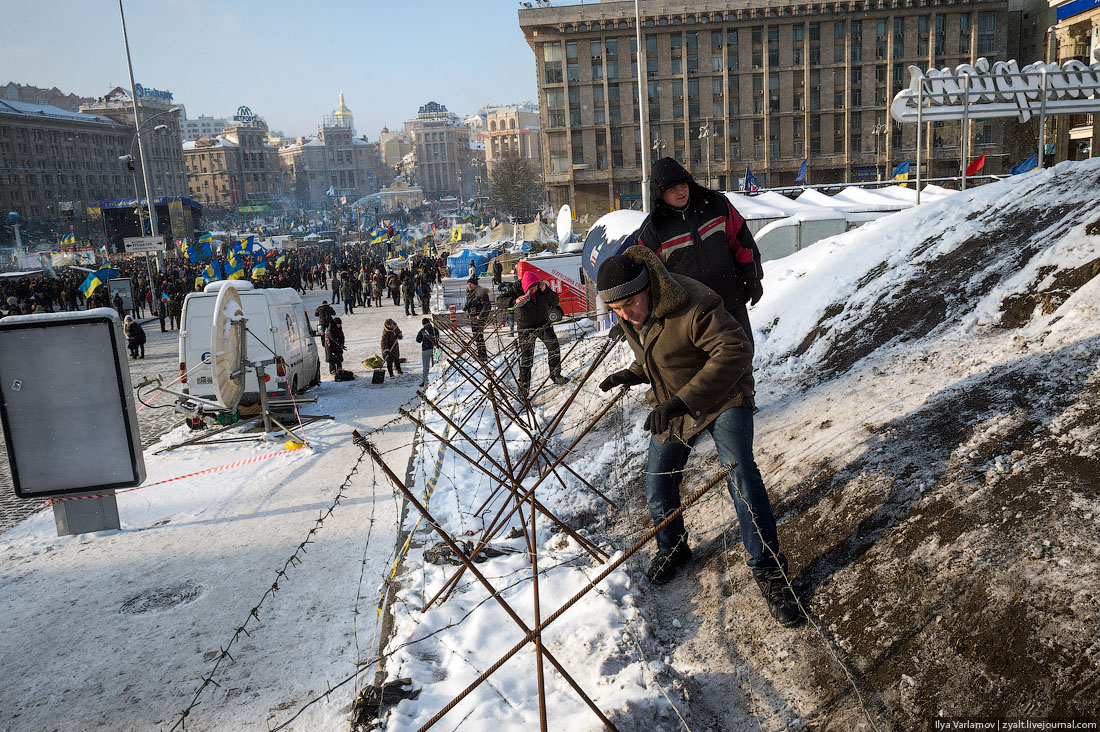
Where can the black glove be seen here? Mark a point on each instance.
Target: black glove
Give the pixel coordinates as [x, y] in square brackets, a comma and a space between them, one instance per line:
[616, 333]
[658, 419]
[626, 377]
[755, 290]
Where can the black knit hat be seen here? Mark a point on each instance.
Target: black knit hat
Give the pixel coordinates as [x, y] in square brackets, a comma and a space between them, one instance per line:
[666, 174]
[620, 277]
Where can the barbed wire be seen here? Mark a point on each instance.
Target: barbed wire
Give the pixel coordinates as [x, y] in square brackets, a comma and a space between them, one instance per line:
[294, 559]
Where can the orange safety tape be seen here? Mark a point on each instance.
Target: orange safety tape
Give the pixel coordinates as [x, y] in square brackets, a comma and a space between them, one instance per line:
[237, 464]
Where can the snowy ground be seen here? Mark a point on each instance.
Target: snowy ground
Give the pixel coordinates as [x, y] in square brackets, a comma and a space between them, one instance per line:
[116, 630]
[930, 402]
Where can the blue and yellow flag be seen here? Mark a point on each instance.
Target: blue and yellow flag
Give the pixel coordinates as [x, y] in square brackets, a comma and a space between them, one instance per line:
[260, 269]
[97, 278]
[69, 240]
[281, 261]
[1025, 166]
[901, 172]
[213, 271]
[234, 270]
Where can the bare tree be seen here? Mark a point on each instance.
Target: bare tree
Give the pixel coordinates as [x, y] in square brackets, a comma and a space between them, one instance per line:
[515, 187]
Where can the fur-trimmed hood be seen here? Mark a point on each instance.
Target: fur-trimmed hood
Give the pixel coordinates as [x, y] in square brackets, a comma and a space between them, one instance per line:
[666, 294]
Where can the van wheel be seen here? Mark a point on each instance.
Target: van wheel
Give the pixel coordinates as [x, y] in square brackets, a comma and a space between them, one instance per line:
[317, 376]
[294, 384]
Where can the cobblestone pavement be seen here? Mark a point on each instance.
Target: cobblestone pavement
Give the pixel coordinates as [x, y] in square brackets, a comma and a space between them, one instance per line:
[161, 357]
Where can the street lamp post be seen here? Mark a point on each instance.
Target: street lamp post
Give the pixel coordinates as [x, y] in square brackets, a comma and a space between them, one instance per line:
[878, 131]
[137, 126]
[705, 134]
[129, 159]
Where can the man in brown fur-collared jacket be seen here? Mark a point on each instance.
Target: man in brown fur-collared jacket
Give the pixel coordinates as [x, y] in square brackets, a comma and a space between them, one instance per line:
[698, 364]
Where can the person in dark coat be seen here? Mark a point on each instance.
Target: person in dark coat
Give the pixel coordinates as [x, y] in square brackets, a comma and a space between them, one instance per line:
[175, 309]
[135, 337]
[424, 292]
[334, 345]
[697, 362]
[324, 314]
[697, 233]
[117, 303]
[478, 309]
[347, 291]
[428, 338]
[391, 349]
[532, 310]
[498, 272]
[407, 293]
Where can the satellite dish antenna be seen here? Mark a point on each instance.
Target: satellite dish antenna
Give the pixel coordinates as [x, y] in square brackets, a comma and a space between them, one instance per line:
[565, 225]
[227, 347]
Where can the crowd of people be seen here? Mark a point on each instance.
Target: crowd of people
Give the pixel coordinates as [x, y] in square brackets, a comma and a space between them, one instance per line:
[681, 294]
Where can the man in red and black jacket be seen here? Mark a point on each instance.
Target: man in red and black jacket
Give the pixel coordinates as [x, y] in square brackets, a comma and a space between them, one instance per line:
[697, 233]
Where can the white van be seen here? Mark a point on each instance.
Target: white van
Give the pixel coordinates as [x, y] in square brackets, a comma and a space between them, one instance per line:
[277, 323]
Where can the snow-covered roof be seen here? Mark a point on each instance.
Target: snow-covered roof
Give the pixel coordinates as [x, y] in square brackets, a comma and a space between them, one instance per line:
[213, 142]
[49, 111]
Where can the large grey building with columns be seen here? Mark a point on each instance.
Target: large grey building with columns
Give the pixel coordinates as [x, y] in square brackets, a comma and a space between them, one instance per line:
[762, 84]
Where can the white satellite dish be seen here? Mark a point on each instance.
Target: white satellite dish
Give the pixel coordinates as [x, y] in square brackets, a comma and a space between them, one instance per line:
[227, 347]
[565, 225]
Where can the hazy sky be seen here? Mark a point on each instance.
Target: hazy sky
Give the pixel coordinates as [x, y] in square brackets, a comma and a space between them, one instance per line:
[287, 61]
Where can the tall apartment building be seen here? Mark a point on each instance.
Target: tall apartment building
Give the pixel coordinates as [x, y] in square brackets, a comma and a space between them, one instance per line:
[49, 155]
[512, 129]
[201, 126]
[764, 85]
[236, 170]
[163, 148]
[442, 147]
[334, 164]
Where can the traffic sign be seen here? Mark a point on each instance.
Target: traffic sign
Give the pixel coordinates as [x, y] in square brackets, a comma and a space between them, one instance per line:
[143, 244]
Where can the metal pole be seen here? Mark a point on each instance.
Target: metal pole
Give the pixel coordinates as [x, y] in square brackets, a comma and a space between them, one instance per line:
[966, 128]
[643, 107]
[137, 127]
[1043, 119]
[920, 128]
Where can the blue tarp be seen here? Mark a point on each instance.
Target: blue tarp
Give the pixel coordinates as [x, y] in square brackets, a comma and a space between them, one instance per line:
[459, 262]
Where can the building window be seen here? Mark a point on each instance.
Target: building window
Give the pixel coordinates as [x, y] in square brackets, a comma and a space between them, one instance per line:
[987, 32]
[551, 63]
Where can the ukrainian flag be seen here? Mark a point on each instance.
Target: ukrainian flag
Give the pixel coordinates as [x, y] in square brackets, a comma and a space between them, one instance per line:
[213, 271]
[281, 260]
[901, 172]
[69, 240]
[260, 269]
[97, 278]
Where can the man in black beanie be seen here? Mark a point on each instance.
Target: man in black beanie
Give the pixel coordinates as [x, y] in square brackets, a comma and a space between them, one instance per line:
[698, 363]
[697, 232]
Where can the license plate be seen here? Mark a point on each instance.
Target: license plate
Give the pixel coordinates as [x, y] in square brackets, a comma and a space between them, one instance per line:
[204, 380]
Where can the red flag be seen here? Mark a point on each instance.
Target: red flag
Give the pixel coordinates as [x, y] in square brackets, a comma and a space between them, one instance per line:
[975, 166]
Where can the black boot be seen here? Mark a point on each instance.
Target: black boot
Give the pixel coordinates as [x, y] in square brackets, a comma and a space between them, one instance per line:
[666, 562]
[777, 591]
[558, 379]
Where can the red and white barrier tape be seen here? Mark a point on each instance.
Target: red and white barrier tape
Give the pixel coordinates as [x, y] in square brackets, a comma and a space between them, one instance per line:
[237, 464]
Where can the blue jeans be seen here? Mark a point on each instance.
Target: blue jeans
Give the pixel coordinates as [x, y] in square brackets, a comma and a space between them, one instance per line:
[732, 433]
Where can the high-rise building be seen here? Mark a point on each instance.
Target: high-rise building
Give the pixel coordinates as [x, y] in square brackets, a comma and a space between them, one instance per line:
[201, 126]
[163, 148]
[442, 147]
[763, 85]
[334, 164]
